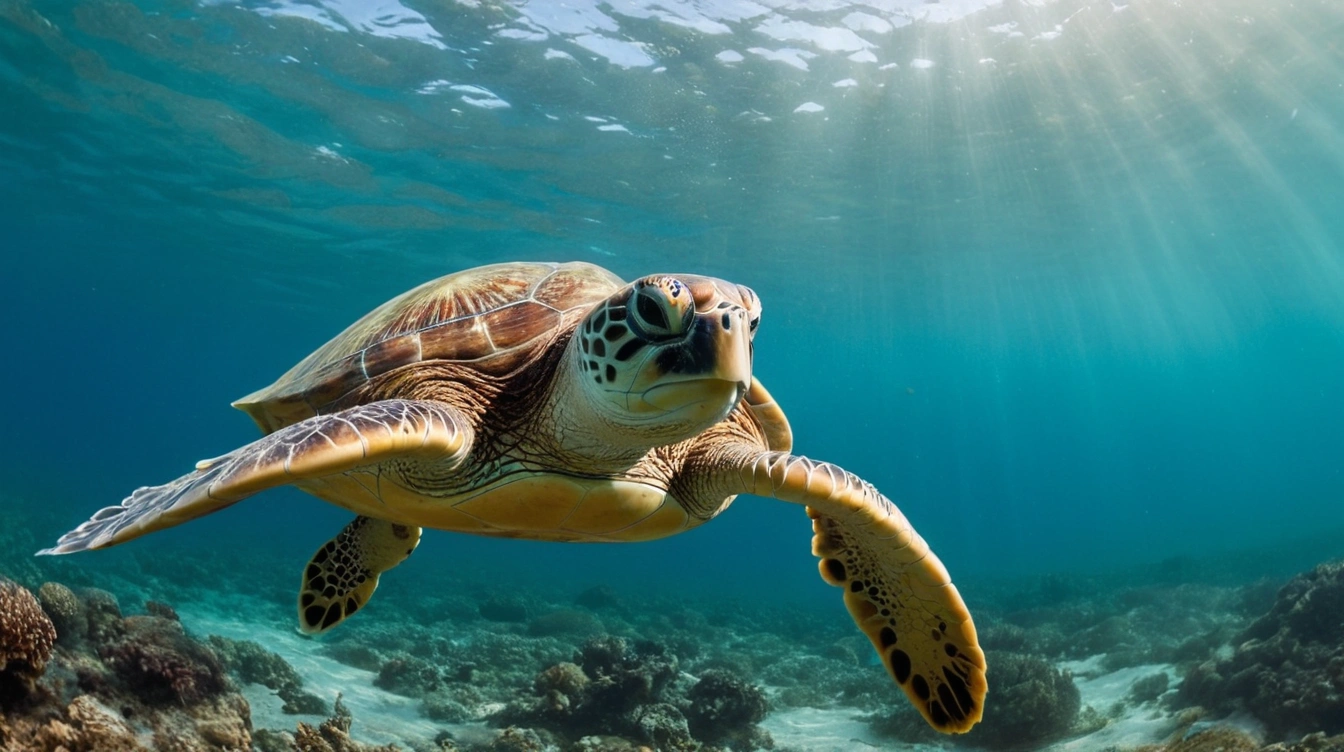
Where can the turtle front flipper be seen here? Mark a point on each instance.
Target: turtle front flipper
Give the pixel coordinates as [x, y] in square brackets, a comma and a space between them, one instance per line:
[897, 590]
[324, 445]
[342, 575]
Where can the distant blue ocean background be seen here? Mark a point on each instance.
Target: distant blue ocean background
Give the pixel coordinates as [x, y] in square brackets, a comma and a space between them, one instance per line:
[1064, 279]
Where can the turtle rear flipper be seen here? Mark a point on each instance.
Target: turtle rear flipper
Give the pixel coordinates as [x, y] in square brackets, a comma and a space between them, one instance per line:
[319, 446]
[342, 575]
[897, 590]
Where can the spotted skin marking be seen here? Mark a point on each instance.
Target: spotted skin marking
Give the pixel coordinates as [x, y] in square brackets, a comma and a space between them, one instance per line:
[342, 575]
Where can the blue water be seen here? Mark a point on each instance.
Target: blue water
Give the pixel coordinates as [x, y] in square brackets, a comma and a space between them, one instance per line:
[1066, 281]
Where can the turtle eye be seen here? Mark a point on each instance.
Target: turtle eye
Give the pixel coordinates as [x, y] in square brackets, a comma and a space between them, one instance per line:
[651, 313]
[662, 309]
[755, 322]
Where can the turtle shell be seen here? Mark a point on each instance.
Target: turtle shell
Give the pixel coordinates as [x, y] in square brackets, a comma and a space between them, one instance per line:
[495, 317]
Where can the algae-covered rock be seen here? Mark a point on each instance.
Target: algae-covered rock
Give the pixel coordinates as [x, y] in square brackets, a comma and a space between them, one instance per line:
[1033, 703]
[1288, 667]
[662, 726]
[1149, 688]
[409, 676]
[724, 709]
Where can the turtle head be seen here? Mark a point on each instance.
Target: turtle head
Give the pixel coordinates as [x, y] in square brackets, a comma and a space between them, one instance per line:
[666, 356]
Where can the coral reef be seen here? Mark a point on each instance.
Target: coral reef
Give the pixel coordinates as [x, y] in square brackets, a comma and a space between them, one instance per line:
[1034, 703]
[66, 612]
[408, 675]
[332, 735]
[114, 684]
[616, 689]
[1131, 626]
[1288, 667]
[27, 637]
[88, 726]
[724, 709]
[160, 663]
[1227, 739]
[516, 740]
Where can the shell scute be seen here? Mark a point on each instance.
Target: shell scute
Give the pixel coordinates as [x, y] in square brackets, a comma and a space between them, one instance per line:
[495, 318]
[519, 323]
[388, 354]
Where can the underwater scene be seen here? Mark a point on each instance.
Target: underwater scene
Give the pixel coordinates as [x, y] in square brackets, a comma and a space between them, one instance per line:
[683, 375]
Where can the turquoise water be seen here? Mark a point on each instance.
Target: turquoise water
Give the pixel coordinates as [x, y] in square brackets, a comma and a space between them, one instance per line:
[1064, 279]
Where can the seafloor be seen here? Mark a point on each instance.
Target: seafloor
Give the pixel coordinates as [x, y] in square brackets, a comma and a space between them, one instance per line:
[1204, 654]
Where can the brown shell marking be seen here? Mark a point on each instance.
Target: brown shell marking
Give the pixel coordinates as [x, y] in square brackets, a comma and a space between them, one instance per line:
[488, 316]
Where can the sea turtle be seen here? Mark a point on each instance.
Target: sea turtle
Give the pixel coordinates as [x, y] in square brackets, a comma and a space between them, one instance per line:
[556, 402]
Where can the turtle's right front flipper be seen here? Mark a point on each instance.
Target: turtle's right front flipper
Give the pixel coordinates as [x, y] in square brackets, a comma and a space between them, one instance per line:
[319, 446]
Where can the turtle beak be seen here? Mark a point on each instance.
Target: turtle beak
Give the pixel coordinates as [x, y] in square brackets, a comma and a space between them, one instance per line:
[711, 371]
[733, 351]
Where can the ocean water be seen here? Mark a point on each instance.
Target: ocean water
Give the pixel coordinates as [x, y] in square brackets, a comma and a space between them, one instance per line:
[1064, 279]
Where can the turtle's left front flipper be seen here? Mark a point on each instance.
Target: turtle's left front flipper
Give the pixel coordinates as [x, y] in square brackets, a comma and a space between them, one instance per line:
[319, 446]
[896, 589]
[342, 575]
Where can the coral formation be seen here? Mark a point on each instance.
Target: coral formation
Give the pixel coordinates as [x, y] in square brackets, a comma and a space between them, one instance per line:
[88, 726]
[1033, 703]
[27, 637]
[722, 708]
[102, 614]
[409, 676]
[332, 735]
[159, 662]
[1229, 739]
[66, 612]
[661, 725]
[616, 689]
[1288, 666]
[514, 739]
[118, 684]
